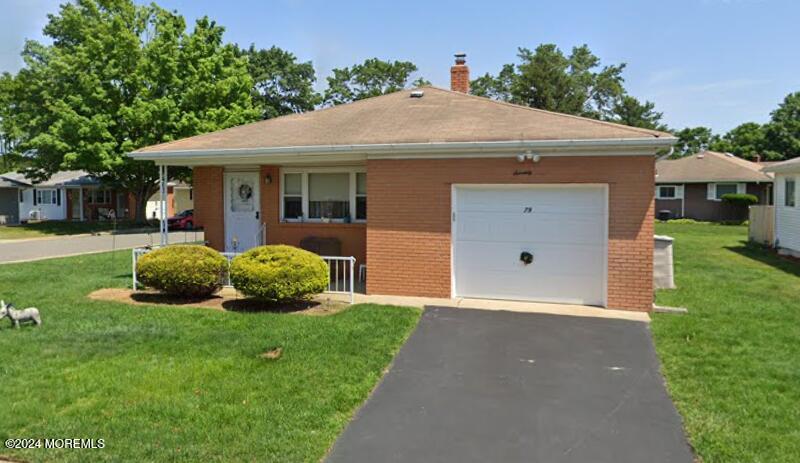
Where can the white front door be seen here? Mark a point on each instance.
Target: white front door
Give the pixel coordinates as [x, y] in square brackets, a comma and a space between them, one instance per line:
[530, 242]
[242, 211]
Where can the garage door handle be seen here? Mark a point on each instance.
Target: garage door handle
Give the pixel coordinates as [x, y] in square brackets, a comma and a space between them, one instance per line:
[526, 257]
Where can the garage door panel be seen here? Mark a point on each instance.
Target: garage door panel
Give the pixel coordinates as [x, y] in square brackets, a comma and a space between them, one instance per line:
[547, 258]
[552, 288]
[564, 227]
[541, 227]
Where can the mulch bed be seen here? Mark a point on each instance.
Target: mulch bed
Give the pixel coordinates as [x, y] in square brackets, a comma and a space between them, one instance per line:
[225, 300]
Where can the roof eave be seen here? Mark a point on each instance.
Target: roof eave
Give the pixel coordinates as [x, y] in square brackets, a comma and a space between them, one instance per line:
[586, 147]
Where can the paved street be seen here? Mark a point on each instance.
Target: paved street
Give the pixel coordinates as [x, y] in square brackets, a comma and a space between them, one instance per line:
[44, 248]
[495, 386]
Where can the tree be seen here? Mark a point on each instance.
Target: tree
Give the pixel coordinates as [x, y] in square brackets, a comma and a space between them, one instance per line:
[746, 141]
[281, 84]
[371, 78]
[783, 131]
[629, 111]
[693, 140]
[119, 76]
[548, 79]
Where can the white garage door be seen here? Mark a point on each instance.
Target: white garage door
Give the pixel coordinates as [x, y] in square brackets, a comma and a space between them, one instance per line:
[562, 227]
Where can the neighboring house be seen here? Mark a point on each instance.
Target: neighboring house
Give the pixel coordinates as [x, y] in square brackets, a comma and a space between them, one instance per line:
[179, 198]
[693, 186]
[66, 195]
[787, 206]
[441, 194]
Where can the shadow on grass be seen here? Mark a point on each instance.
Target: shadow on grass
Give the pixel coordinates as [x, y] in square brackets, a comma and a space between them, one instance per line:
[243, 305]
[767, 256]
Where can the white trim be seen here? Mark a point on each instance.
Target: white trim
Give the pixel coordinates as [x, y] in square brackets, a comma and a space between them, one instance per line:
[351, 170]
[453, 220]
[711, 189]
[360, 152]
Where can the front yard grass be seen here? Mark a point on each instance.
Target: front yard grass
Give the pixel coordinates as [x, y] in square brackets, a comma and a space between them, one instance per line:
[62, 227]
[180, 384]
[733, 362]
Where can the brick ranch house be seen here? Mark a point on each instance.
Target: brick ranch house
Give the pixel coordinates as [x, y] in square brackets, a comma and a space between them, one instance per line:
[693, 186]
[468, 197]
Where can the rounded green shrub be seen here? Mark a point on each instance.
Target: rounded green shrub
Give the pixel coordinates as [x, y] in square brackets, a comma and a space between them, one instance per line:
[279, 273]
[182, 270]
[740, 199]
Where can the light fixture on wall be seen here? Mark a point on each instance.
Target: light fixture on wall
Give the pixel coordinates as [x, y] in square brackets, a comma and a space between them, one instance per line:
[268, 179]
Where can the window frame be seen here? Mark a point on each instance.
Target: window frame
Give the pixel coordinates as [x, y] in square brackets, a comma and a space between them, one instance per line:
[793, 196]
[678, 192]
[741, 188]
[304, 197]
[53, 200]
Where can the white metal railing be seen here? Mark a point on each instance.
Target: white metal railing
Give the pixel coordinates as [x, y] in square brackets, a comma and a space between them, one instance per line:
[342, 275]
[340, 269]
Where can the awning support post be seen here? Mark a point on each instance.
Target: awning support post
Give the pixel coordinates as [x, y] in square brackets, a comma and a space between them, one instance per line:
[162, 187]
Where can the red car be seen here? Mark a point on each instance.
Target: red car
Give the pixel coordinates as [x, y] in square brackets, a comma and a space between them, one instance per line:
[182, 221]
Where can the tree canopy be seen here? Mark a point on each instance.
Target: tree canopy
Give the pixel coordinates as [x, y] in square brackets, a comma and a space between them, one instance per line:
[373, 77]
[119, 76]
[281, 84]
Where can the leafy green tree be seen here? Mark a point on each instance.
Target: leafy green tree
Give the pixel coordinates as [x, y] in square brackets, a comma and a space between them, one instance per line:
[282, 85]
[548, 79]
[371, 78]
[630, 111]
[783, 131]
[693, 140]
[748, 141]
[119, 76]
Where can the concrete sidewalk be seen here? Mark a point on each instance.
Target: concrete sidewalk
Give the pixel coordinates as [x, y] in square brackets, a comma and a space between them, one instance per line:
[37, 249]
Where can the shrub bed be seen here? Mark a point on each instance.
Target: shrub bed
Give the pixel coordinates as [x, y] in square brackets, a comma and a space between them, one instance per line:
[279, 273]
[182, 270]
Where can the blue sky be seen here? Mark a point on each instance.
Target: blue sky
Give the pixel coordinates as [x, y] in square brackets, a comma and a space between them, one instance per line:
[703, 62]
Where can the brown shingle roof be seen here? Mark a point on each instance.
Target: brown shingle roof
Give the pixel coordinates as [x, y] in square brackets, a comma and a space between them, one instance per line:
[709, 166]
[439, 116]
[790, 166]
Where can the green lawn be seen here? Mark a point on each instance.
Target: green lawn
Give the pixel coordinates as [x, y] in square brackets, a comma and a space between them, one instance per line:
[178, 384]
[57, 227]
[733, 362]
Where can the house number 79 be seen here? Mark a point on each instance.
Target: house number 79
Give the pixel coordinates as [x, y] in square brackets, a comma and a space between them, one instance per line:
[527, 210]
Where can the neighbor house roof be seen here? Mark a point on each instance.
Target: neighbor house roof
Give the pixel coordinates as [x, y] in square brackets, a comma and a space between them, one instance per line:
[709, 166]
[437, 117]
[790, 166]
[10, 182]
[59, 179]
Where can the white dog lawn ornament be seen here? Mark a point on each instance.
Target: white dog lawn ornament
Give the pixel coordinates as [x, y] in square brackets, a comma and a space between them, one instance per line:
[31, 314]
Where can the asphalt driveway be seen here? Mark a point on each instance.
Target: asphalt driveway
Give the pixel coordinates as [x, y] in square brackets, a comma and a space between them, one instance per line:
[479, 386]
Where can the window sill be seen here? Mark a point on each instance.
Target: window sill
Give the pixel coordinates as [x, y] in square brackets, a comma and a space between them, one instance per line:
[307, 223]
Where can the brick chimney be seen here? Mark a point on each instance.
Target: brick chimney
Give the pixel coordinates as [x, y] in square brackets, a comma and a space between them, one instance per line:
[459, 74]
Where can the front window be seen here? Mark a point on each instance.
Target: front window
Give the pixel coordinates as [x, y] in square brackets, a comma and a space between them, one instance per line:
[328, 196]
[669, 192]
[293, 196]
[45, 196]
[789, 192]
[98, 196]
[324, 195]
[361, 196]
[725, 189]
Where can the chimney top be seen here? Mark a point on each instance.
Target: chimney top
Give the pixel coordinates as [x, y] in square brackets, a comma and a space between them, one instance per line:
[459, 74]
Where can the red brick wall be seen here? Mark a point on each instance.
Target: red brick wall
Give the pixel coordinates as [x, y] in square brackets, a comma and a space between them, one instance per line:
[208, 204]
[408, 233]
